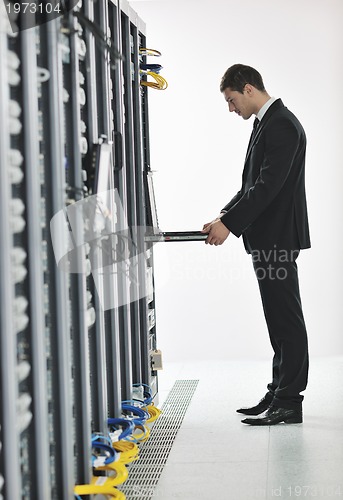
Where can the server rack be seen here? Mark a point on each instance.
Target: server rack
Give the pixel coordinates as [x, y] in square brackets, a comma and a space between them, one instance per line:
[67, 360]
[138, 161]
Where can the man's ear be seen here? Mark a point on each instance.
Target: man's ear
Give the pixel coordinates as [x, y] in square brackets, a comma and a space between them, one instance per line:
[248, 89]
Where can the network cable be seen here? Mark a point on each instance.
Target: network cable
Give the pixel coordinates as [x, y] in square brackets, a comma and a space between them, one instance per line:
[147, 392]
[160, 83]
[119, 472]
[141, 415]
[156, 68]
[108, 457]
[121, 422]
[152, 70]
[100, 486]
[97, 436]
[141, 436]
[139, 418]
[128, 451]
[153, 412]
[143, 51]
[147, 403]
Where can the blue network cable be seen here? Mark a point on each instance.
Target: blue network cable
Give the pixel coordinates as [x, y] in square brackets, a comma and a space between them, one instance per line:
[156, 68]
[97, 436]
[142, 415]
[110, 453]
[147, 393]
[122, 422]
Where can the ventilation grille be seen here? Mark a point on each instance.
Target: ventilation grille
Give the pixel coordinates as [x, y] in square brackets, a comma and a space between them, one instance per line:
[145, 473]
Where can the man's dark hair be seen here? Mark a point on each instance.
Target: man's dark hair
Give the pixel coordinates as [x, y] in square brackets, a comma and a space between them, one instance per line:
[238, 75]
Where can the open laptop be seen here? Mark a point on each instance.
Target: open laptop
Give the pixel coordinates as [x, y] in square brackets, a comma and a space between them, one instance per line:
[153, 233]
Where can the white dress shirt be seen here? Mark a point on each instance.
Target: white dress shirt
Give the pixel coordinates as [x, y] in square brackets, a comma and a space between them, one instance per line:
[265, 108]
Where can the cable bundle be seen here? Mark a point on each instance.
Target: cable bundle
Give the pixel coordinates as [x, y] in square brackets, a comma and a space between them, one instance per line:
[102, 451]
[153, 412]
[152, 70]
[147, 403]
[147, 393]
[140, 434]
[149, 52]
[128, 451]
[160, 83]
[120, 428]
[117, 472]
[156, 68]
[140, 415]
[137, 414]
[105, 458]
[100, 486]
[111, 453]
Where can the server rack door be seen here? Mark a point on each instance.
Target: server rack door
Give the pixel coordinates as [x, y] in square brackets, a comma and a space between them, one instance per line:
[61, 392]
[82, 309]
[123, 265]
[9, 454]
[96, 330]
[40, 486]
[147, 306]
[131, 77]
[115, 389]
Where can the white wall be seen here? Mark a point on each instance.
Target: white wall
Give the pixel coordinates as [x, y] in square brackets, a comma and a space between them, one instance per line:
[208, 304]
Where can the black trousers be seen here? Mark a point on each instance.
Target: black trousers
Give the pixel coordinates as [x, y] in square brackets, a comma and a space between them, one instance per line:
[277, 276]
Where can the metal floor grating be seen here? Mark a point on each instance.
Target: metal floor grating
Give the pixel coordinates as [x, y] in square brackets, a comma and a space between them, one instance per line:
[153, 454]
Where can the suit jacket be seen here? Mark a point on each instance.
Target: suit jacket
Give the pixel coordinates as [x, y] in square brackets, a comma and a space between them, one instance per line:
[270, 208]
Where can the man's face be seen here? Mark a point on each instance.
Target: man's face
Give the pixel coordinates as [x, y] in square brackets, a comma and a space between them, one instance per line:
[241, 104]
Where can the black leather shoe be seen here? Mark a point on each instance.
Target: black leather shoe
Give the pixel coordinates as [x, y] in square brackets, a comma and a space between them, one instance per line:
[259, 408]
[275, 416]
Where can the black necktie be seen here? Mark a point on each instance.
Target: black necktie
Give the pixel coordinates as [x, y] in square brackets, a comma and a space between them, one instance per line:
[255, 126]
[254, 130]
[253, 133]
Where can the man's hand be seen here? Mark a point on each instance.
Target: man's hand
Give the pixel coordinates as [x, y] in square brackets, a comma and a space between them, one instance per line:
[217, 232]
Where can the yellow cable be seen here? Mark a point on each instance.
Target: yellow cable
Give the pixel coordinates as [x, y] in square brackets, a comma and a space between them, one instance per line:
[146, 435]
[160, 83]
[128, 451]
[149, 52]
[153, 412]
[140, 437]
[100, 486]
[120, 471]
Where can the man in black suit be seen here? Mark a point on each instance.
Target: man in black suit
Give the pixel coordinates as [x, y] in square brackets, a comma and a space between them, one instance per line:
[270, 212]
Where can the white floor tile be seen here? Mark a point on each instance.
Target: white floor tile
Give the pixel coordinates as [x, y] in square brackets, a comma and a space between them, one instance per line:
[216, 457]
[220, 445]
[315, 439]
[310, 479]
[209, 481]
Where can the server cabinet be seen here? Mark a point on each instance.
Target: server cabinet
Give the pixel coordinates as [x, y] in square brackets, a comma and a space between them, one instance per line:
[138, 165]
[77, 310]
